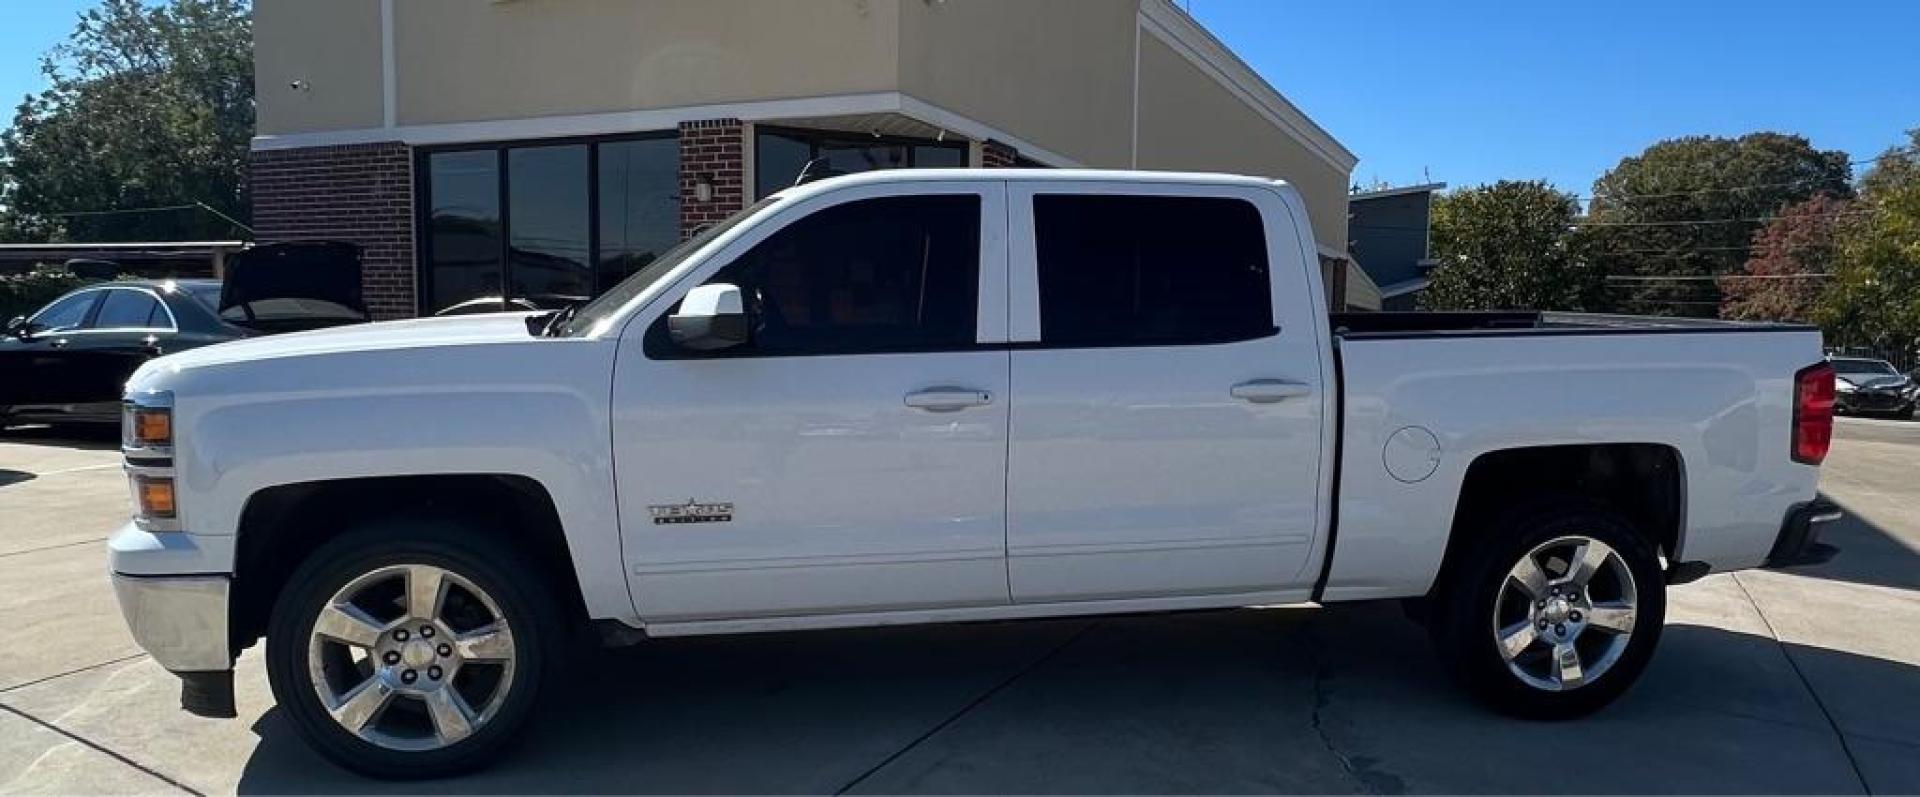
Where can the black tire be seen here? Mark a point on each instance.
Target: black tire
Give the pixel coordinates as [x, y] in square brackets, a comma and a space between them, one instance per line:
[524, 599]
[1464, 610]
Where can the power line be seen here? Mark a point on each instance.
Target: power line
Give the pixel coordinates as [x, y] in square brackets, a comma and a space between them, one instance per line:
[1626, 280]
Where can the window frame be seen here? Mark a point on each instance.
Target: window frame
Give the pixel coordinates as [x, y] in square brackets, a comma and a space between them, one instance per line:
[423, 204]
[647, 323]
[1024, 304]
[814, 138]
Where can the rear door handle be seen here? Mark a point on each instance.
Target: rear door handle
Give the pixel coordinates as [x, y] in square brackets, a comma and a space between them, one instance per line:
[948, 399]
[1268, 391]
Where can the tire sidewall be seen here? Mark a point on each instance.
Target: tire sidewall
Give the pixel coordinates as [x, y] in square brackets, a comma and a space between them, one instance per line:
[1465, 635]
[526, 605]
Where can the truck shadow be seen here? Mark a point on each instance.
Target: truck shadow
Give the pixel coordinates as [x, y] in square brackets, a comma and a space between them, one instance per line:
[1868, 554]
[1340, 700]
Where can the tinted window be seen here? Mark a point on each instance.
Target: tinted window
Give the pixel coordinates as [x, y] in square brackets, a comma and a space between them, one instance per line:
[778, 159]
[639, 205]
[129, 309]
[891, 274]
[463, 226]
[64, 314]
[1138, 270]
[547, 222]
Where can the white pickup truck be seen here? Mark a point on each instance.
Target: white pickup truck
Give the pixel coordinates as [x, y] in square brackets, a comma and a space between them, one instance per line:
[941, 396]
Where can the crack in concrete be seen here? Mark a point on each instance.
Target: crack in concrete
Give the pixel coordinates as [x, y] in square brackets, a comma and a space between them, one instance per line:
[1358, 769]
[102, 749]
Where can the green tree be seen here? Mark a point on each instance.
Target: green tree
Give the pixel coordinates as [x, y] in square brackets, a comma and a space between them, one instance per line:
[1690, 207]
[147, 106]
[1509, 246]
[1874, 298]
[1792, 257]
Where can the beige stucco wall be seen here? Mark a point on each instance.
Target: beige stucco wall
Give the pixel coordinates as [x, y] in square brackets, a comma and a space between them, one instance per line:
[1056, 73]
[332, 46]
[468, 60]
[1188, 121]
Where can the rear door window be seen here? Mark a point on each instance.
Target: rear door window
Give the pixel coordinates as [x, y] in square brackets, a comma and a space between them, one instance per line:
[1150, 270]
[126, 309]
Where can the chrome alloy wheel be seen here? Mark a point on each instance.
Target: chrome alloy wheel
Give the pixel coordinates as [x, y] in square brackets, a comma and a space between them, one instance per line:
[411, 657]
[1565, 613]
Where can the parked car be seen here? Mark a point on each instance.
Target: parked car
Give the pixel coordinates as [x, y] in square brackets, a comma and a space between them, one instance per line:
[927, 396]
[1865, 386]
[69, 362]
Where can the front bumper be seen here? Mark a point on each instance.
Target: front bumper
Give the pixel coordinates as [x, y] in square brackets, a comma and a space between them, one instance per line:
[180, 620]
[1799, 541]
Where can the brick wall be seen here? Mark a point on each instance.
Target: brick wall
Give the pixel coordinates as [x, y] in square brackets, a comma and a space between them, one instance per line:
[361, 193]
[714, 149]
[997, 155]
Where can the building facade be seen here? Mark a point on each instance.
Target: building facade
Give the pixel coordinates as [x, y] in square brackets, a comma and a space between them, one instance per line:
[1389, 236]
[543, 149]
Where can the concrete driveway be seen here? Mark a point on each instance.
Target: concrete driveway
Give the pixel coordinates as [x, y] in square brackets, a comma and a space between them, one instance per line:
[1805, 681]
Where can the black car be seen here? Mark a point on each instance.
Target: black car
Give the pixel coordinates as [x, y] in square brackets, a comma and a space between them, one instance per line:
[1863, 386]
[69, 361]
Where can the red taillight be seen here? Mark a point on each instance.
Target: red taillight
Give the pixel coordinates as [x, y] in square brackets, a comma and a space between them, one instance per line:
[1812, 413]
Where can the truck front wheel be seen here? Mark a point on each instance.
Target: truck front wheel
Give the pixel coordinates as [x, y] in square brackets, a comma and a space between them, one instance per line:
[410, 650]
[1556, 615]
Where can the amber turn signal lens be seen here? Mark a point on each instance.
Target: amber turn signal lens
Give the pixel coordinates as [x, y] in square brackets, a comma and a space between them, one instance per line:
[156, 496]
[153, 427]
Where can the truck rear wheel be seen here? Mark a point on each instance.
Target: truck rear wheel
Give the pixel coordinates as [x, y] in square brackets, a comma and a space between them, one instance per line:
[1557, 615]
[409, 650]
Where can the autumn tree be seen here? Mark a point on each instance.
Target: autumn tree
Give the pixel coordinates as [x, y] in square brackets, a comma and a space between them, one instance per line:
[148, 105]
[1874, 298]
[1792, 256]
[1691, 207]
[1507, 246]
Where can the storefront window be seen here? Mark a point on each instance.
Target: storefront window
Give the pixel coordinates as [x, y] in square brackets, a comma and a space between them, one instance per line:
[463, 241]
[639, 205]
[542, 225]
[781, 153]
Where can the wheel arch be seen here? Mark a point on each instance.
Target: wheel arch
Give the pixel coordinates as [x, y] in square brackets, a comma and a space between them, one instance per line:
[281, 526]
[1644, 482]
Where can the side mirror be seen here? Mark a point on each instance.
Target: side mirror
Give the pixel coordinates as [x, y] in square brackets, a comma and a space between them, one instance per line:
[711, 317]
[17, 326]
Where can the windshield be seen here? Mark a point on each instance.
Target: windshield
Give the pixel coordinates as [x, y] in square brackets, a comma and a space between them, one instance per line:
[1864, 367]
[592, 313]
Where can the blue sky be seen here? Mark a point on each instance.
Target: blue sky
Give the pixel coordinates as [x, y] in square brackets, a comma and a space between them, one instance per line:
[1475, 91]
[1472, 91]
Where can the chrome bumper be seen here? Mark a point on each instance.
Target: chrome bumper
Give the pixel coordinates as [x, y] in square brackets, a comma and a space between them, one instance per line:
[180, 620]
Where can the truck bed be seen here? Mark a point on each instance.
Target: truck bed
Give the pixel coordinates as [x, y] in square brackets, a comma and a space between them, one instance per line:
[1506, 323]
[1429, 393]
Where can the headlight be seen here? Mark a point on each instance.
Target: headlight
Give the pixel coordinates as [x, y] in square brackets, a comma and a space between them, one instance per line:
[146, 426]
[150, 427]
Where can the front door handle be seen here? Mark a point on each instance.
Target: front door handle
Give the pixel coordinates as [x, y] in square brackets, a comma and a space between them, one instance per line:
[1268, 391]
[58, 343]
[948, 399]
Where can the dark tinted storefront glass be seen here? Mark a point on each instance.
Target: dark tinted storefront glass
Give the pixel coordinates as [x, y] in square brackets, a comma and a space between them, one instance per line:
[639, 205]
[547, 220]
[782, 154]
[463, 227]
[939, 157]
[854, 157]
[778, 161]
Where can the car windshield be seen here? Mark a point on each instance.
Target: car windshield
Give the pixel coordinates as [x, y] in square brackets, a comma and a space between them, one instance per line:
[592, 313]
[1864, 368]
